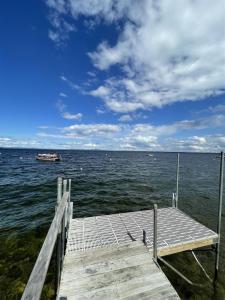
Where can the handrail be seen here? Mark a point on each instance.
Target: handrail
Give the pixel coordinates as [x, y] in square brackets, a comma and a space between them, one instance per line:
[37, 278]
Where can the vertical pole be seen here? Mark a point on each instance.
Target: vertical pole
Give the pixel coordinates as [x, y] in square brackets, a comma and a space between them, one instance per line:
[68, 214]
[144, 237]
[64, 185]
[59, 189]
[173, 199]
[219, 214]
[59, 242]
[155, 233]
[63, 225]
[177, 187]
[63, 238]
[69, 190]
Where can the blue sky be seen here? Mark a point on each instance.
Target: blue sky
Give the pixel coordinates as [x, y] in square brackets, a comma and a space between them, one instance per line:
[121, 75]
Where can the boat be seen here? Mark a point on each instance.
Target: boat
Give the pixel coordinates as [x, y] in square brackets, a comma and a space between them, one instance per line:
[48, 157]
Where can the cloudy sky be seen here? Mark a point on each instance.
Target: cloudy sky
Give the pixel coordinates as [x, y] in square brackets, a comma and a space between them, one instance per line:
[120, 75]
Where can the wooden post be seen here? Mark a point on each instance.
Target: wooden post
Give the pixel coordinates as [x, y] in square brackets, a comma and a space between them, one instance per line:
[174, 200]
[59, 238]
[68, 214]
[63, 238]
[69, 190]
[64, 185]
[155, 233]
[59, 189]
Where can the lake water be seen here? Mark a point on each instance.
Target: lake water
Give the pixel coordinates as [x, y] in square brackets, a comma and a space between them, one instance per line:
[103, 182]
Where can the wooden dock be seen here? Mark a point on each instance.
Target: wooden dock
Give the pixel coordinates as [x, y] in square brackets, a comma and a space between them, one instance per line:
[107, 259]
[114, 272]
[115, 256]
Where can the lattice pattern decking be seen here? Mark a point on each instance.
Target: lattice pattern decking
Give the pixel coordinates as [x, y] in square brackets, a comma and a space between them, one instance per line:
[176, 231]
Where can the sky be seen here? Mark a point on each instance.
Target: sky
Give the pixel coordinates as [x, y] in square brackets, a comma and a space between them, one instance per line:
[115, 75]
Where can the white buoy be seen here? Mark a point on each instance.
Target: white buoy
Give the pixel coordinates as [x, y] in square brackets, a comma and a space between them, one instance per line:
[81, 169]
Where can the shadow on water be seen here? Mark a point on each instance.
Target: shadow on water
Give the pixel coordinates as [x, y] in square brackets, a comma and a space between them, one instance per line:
[129, 181]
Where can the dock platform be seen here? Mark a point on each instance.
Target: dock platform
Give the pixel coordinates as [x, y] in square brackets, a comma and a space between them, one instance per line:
[176, 231]
[107, 259]
[114, 272]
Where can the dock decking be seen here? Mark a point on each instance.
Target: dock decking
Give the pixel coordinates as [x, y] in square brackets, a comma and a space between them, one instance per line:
[107, 259]
[114, 272]
[176, 231]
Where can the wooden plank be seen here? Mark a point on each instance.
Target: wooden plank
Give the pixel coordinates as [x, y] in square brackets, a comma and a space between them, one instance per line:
[37, 278]
[130, 271]
[186, 246]
[103, 253]
[83, 270]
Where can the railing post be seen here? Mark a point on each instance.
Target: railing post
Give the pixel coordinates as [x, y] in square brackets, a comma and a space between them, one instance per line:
[69, 210]
[219, 214]
[59, 189]
[64, 185]
[155, 233]
[177, 185]
[69, 190]
[174, 200]
[63, 224]
[59, 238]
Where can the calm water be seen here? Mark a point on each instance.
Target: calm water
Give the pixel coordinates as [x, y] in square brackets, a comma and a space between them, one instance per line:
[104, 182]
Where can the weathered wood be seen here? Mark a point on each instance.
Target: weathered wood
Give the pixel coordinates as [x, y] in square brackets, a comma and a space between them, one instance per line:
[38, 275]
[59, 189]
[122, 272]
[186, 246]
[59, 237]
[64, 185]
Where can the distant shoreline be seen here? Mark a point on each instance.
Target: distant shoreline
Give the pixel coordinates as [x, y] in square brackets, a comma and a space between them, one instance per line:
[106, 150]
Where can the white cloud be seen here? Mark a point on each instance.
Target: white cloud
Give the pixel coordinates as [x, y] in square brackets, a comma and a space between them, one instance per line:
[92, 129]
[91, 74]
[100, 111]
[144, 136]
[5, 139]
[61, 28]
[101, 92]
[62, 107]
[43, 127]
[125, 118]
[18, 143]
[164, 137]
[72, 85]
[69, 116]
[220, 108]
[131, 117]
[63, 95]
[166, 53]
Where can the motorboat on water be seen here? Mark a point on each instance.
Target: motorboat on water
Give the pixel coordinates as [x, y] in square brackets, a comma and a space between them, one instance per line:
[48, 157]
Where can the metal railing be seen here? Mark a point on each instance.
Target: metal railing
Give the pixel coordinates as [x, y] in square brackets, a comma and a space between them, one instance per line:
[175, 205]
[56, 233]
